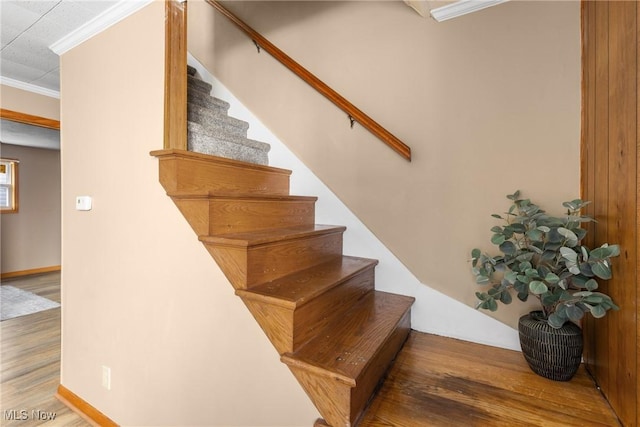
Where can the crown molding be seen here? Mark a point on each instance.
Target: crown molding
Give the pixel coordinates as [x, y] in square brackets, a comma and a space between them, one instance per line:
[106, 19]
[29, 87]
[462, 7]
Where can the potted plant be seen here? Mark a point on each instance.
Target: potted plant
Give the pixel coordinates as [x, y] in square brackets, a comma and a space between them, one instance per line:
[542, 256]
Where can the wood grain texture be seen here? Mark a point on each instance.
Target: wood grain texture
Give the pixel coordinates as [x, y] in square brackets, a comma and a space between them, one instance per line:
[175, 77]
[29, 119]
[610, 179]
[195, 208]
[30, 354]
[186, 171]
[271, 254]
[437, 381]
[353, 354]
[236, 214]
[622, 221]
[294, 309]
[359, 116]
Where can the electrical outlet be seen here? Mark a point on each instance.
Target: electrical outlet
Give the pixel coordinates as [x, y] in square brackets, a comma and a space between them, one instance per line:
[106, 377]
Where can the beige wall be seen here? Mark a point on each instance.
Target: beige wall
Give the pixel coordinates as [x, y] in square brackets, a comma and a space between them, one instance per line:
[26, 102]
[489, 103]
[140, 293]
[31, 237]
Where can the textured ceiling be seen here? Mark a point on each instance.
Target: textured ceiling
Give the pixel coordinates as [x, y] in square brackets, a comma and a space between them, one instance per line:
[28, 28]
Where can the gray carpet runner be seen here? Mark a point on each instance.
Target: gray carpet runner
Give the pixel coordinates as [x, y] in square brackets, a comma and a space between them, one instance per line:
[210, 129]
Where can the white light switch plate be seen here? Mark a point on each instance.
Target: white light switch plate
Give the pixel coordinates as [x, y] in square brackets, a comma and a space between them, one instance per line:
[83, 203]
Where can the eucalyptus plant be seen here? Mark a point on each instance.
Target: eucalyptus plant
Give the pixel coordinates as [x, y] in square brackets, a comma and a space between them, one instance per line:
[542, 255]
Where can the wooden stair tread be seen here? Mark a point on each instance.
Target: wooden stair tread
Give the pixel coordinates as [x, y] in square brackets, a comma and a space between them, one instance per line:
[215, 159]
[234, 195]
[344, 349]
[296, 289]
[272, 235]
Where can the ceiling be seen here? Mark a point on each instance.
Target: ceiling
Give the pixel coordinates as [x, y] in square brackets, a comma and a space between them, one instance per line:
[28, 28]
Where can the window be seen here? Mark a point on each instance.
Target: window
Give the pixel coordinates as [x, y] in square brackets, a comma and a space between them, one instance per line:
[8, 185]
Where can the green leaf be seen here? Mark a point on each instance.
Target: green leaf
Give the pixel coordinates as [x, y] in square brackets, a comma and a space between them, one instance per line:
[497, 239]
[535, 235]
[601, 269]
[598, 311]
[518, 228]
[475, 253]
[505, 297]
[514, 196]
[482, 280]
[537, 287]
[531, 272]
[570, 237]
[544, 229]
[574, 313]
[556, 321]
[552, 278]
[591, 285]
[496, 216]
[568, 254]
[496, 229]
[508, 248]
[511, 277]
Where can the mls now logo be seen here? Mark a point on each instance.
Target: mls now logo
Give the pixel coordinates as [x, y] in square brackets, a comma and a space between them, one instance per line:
[16, 415]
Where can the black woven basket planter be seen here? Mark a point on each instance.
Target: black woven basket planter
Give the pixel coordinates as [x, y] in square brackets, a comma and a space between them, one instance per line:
[552, 353]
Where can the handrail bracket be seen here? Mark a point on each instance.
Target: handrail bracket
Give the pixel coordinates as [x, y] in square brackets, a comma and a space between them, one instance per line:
[255, 42]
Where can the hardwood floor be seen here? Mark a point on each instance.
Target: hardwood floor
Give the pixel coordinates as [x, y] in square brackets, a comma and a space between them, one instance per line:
[434, 381]
[438, 381]
[30, 361]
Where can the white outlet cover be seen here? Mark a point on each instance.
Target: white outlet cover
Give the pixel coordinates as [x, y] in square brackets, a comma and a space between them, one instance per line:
[83, 203]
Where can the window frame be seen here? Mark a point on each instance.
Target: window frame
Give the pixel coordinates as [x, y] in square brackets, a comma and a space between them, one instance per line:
[13, 186]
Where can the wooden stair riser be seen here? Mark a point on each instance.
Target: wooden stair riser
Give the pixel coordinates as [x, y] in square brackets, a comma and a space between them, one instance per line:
[289, 327]
[184, 171]
[240, 215]
[249, 266]
[341, 404]
[196, 211]
[374, 375]
[313, 317]
[217, 215]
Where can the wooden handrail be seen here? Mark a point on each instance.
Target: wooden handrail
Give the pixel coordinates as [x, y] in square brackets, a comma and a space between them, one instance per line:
[354, 113]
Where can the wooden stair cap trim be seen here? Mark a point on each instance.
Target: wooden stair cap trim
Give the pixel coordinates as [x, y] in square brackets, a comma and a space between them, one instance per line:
[257, 197]
[184, 154]
[344, 349]
[297, 289]
[261, 237]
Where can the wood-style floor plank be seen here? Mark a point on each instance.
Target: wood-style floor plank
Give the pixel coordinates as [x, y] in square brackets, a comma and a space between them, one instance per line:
[30, 361]
[438, 381]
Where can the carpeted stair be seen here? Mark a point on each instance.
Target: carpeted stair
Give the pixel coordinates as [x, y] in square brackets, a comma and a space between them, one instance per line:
[210, 129]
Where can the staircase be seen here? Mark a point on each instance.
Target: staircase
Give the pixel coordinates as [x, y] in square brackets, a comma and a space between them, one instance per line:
[318, 307]
[210, 129]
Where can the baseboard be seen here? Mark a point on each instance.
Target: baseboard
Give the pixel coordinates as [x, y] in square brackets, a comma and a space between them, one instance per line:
[29, 272]
[82, 408]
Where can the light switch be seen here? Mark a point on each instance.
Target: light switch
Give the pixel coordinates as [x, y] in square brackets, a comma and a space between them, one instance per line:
[83, 203]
